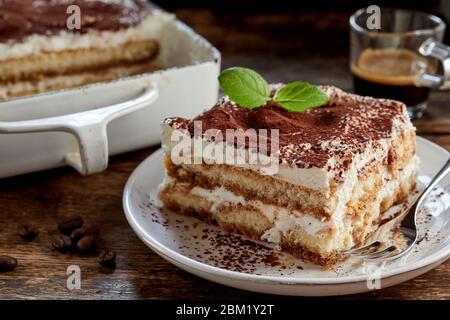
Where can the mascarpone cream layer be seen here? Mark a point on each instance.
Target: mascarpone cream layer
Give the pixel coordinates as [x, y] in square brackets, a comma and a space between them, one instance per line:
[175, 140]
[313, 178]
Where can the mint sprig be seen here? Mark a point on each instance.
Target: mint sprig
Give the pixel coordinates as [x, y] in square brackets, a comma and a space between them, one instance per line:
[249, 90]
[300, 96]
[245, 87]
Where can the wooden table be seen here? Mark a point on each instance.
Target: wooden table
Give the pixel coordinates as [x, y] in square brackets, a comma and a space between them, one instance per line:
[314, 49]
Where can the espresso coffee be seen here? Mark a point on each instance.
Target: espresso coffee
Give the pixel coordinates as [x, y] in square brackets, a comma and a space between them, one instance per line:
[391, 74]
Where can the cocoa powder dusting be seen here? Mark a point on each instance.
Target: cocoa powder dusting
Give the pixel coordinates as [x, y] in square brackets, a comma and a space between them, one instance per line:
[19, 19]
[347, 125]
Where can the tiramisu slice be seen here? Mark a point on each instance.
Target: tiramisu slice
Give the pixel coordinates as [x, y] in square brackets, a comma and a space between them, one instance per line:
[42, 48]
[340, 167]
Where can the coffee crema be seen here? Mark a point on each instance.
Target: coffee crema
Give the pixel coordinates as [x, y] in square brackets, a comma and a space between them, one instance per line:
[391, 74]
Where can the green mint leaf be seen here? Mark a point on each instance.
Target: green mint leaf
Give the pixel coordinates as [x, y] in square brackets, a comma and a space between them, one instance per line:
[245, 87]
[300, 96]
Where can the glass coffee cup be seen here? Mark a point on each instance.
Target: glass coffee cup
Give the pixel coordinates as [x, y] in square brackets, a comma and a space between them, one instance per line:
[398, 56]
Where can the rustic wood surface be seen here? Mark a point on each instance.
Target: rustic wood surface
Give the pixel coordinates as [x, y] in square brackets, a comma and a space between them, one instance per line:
[314, 49]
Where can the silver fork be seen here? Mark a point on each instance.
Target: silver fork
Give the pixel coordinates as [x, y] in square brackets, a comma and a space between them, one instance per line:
[377, 247]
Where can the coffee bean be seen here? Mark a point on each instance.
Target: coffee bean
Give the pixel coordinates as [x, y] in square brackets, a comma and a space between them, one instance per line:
[28, 233]
[61, 243]
[107, 259]
[77, 234]
[7, 263]
[87, 244]
[69, 225]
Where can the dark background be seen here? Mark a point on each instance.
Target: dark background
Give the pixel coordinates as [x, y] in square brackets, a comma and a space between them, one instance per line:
[282, 5]
[286, 26]
[294, 39]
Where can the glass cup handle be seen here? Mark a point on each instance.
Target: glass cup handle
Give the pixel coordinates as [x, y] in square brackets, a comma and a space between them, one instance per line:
[437, 50]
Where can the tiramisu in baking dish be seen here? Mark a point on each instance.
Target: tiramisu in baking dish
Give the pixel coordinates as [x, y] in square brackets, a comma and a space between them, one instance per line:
[42, 48]
[341, 166]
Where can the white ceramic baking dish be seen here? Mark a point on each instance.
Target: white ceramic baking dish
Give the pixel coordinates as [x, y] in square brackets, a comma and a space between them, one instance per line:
[81, 127]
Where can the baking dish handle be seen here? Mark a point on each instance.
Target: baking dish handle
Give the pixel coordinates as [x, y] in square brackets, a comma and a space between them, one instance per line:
[89, 128]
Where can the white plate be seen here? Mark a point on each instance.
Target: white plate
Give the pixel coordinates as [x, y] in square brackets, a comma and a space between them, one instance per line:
[234, 261]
